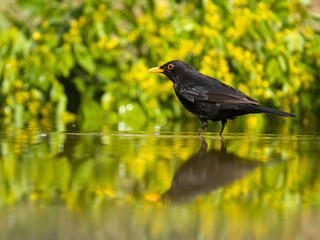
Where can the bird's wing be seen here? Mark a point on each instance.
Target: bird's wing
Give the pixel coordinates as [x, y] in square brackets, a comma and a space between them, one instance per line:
[216, 93]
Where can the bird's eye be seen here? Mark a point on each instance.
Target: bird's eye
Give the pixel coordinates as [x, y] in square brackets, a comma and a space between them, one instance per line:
[170, 66]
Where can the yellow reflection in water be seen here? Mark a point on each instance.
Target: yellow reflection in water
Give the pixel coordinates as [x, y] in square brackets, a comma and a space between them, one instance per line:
[243, 186]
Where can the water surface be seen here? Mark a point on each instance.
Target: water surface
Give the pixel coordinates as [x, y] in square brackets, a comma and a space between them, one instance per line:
[157, 185]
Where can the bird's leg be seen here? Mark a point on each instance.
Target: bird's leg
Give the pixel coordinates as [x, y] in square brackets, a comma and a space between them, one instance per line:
[224, 122]
[223, 146]
[203, 148]
[204, 124]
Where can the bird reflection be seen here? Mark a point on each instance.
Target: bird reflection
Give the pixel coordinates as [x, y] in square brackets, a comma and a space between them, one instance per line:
[205, 172]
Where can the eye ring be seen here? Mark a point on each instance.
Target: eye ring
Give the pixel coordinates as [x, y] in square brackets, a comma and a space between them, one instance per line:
[170, 66]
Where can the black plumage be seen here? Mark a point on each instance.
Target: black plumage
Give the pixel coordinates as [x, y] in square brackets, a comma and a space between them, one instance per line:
[205, 172]
[207, 97]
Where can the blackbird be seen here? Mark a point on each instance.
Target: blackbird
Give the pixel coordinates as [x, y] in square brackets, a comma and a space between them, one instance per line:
[207, 171]
[207, 97]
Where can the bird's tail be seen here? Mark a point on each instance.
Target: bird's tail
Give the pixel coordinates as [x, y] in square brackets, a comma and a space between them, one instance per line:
[260, 109]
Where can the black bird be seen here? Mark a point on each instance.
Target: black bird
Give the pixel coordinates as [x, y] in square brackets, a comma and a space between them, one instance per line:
[207, 97]
[205, 172]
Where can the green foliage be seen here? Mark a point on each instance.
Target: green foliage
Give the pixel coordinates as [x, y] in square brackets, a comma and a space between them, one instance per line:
[91, 57]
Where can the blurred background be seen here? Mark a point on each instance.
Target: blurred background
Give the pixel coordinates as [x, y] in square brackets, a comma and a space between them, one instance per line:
[87, 60]
[92, 146]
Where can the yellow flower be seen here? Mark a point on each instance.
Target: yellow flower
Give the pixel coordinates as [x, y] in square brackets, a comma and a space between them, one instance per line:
[82, 20]
[44, 24]
[34, 94]
[22, 96]
[260, 68]
[68, 117]
[252, 121]
[243, 88]
[212, 52]
[282, 49]
[74, 23]
[197, 49]
[132, 36]
[262, 6]
[308, 45]
[269, 46]
[286, 31]
[278, 35]
[267, 94]
[73, 31]
[247, 65]
[102, 42]
[211, 7]
[265, 84]
[66, 47]
[112, 43]
[230, 32]
[308, 31]
[239, 3]
[44, 49]
[259, 92]
[238, 54]
[19, 98]
[107, 101]
[279, 93]
[213, 21]
[66, 37]
[162, 11]
[18, 84]
[229, 46]
[45, 112]
[102, 7]
[34, 107]
[247, 54]
[9, 101]
[36, 36]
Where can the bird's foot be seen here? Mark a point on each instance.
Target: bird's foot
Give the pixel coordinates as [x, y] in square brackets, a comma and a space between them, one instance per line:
[204, 124]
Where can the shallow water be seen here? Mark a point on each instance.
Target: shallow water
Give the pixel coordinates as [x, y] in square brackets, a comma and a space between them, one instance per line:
[158, 185]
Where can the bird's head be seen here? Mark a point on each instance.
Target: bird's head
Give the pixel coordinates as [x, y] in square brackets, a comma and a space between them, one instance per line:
[175, 70]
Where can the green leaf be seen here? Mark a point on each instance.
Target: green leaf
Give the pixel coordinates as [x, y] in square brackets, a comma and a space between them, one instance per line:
[80, 84]
[34, 7]
[315, 49]
[108, 73]
[272, 69]
[84, 58]
[294, 42]
[282, 63]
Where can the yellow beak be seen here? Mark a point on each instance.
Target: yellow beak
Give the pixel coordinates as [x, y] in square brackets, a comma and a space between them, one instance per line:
[156, 70]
